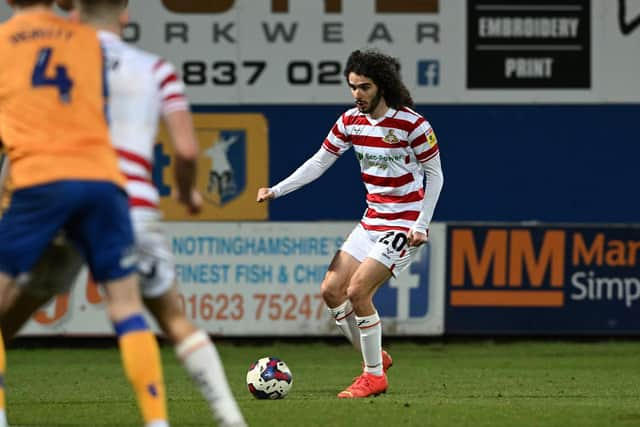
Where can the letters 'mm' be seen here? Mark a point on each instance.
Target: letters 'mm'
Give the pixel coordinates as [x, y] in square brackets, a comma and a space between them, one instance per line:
[507, 254]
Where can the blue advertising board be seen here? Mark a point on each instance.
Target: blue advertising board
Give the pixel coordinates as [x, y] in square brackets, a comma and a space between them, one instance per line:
[552, 163]
[542, 279]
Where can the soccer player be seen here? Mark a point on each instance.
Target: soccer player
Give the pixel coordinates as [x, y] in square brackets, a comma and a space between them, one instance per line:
[65, 176]
[135, 107]
[396, 148]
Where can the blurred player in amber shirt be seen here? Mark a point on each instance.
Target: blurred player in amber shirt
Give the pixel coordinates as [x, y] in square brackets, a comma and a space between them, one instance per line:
[65, 177]
[53, 119]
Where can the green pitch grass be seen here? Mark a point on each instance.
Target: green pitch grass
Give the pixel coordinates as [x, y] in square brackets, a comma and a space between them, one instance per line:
[435, 384]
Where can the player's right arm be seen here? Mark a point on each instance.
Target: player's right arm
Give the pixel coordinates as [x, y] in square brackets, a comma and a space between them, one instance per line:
[177, 117]
[310, 170]
[333, 146]
[180, 126]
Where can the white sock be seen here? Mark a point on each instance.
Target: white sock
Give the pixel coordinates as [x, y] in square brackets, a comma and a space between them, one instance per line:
[158, 423]
[3, 418]
[201, 359]
[371, 342]
[345, 318]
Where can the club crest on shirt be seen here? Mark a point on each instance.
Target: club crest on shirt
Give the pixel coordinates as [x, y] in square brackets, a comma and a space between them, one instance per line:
[390, 137]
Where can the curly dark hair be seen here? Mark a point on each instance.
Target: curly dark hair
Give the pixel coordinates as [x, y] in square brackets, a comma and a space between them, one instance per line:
[384, 70]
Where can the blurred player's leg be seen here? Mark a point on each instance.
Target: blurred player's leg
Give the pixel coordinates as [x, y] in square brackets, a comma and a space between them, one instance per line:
[18, 314]
[54, 274]
[198, 355]
[3, 366]
[7, 293]
[105, 234]
[19, 310]
[200, 358]
[195, 350]
[138, 348]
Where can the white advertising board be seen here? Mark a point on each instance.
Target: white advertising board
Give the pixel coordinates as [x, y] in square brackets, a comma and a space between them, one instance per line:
[263, 279]
[457, 51]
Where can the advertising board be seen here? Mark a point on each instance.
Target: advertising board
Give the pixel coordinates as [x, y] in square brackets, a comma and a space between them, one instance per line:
[293, 51]
[543, 279]
[263, 279]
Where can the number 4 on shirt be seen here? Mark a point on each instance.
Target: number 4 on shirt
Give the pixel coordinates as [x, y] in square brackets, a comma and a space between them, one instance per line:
[60, 80]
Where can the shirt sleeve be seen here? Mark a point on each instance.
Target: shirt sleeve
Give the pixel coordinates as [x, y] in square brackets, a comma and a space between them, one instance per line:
[435, 180]
[338, 140]
[170, 88]
[310, 170]
[424, 143]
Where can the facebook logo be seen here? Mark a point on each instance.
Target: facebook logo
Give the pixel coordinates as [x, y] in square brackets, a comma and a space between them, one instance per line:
[407, 296]
[429, 72]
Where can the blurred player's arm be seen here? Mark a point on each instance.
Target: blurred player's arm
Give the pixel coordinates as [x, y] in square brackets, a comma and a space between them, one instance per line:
[310, 170]
[180, 126]
[177, 117]
[5, 193]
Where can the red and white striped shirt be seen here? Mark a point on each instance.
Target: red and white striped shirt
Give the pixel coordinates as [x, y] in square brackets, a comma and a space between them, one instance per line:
[142, 87]
[391, 152]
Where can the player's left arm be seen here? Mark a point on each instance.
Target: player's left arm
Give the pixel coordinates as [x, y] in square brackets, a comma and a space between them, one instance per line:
[425, 146]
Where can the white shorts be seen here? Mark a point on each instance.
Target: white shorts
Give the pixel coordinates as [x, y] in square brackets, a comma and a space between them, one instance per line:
[387, 247]
[155, 260]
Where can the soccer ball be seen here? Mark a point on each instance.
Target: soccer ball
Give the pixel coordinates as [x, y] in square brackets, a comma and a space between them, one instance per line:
[269, 378]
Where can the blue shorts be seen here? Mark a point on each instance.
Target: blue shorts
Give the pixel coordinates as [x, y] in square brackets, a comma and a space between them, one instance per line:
[93, 214]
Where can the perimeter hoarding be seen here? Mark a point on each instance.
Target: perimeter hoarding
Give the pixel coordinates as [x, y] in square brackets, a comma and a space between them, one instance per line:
[534, 44]
[543, 279]
[505, 135]
[263, 279]
[293, 51]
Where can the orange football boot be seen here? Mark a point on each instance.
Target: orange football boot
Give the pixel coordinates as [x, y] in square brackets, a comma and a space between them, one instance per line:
[364, 386]
[387, 361]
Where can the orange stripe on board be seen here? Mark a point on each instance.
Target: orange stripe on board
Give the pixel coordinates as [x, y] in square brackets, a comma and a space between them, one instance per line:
[507, 298]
